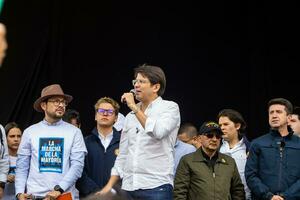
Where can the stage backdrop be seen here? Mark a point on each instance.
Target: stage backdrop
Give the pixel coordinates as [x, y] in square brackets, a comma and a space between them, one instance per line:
[215, 55]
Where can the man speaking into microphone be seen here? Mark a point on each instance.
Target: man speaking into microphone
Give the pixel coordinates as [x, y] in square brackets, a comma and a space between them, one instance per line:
[146, 159]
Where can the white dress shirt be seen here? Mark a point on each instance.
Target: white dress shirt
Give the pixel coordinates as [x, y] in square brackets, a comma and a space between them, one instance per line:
[106, 140]
[146, 158]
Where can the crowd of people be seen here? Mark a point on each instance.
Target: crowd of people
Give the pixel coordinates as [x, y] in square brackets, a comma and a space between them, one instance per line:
[149, 154]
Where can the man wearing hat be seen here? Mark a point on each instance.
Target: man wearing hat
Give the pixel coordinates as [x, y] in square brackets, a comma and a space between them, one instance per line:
[51, 153]
[208, 174]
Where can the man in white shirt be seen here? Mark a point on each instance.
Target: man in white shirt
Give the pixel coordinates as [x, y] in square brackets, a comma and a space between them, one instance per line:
[146, 159]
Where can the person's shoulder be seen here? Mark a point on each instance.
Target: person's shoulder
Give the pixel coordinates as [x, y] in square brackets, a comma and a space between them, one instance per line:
[90, 140]
[70, 126]
[89, 137]
[167, 105]
[92, 136]
[186, 146]
[226, 159]
[295, 140]
[190, 156]
[116, 133]
[262, 139]
[33, 127]
[169, 102]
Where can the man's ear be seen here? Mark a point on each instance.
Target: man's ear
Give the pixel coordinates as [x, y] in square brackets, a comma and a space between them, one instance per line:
[238, 126]
[44, 105]
[289, 118]
[156, 87]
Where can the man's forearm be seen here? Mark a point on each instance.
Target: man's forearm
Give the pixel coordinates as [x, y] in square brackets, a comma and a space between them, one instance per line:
[113, 180]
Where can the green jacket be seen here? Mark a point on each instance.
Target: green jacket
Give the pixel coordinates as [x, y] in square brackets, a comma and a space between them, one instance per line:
[195, 180]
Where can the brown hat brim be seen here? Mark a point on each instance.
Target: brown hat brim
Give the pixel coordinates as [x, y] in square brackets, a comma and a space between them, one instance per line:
[37, 103]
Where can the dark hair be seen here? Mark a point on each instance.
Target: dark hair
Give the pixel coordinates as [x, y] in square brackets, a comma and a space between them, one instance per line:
[236, 118]
[296, 111]
[154, 74]
[72, 114]
[189, 129]
[281, 101]
[9, 126]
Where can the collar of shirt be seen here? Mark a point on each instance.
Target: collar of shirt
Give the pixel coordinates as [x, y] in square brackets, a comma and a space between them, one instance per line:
[237, 146]
[177, 143]
[52, 124]
[109, 136]
[155, 101]
[106, 140]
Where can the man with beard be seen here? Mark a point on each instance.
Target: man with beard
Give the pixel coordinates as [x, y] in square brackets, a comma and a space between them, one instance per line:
[208, 174]
[51, 153]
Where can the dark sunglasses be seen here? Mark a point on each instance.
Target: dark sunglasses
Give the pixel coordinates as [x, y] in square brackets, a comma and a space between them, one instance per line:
[211, 135]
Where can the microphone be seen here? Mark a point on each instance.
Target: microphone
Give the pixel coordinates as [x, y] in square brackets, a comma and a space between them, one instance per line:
[131, 91]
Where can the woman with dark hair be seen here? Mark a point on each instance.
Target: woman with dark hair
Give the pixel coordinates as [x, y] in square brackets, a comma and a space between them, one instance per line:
[13, 136]
[234, 142]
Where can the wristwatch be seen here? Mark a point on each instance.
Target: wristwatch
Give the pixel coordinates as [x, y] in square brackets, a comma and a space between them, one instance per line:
[58, 188]
[2, 184]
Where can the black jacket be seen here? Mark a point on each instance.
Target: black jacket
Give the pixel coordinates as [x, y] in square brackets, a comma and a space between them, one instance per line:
[98, 163]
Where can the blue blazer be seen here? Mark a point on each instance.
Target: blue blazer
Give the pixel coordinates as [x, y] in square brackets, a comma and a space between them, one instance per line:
[98, 163]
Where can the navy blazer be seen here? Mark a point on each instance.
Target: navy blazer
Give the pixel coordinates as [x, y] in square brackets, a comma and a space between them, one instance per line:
[98, 162]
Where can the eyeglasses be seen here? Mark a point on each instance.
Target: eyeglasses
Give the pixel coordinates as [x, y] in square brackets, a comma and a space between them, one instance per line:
[211, 135]
[57, 102]
[138, 81]
[108, 112]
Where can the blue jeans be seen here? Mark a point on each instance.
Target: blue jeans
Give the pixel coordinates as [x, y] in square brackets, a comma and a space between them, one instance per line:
[163, 192]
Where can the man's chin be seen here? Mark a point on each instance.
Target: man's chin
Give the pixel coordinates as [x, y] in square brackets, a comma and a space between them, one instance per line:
[213, 147]
[58, 116]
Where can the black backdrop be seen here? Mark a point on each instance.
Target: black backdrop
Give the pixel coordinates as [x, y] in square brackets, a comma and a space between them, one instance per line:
[215, 55]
